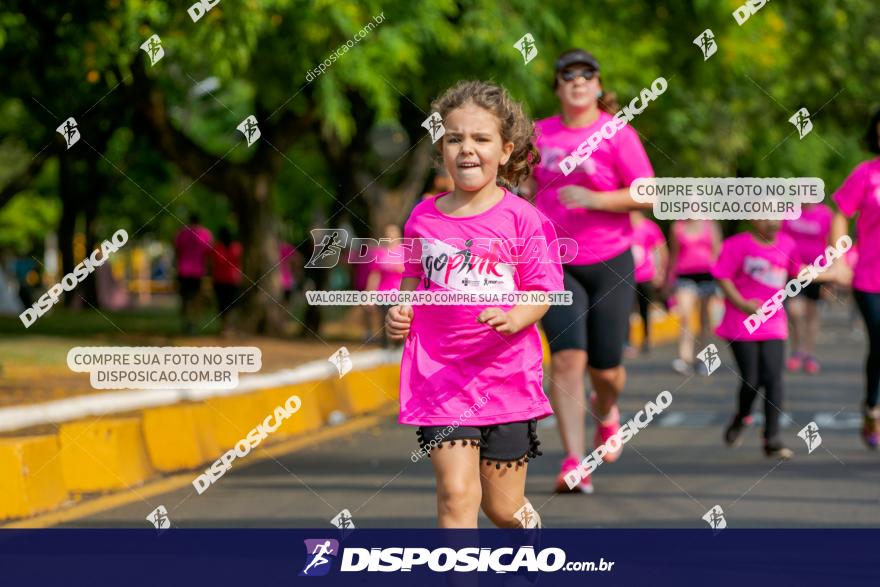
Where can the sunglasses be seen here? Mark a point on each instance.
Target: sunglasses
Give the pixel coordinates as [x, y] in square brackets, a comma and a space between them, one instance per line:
[570, 74]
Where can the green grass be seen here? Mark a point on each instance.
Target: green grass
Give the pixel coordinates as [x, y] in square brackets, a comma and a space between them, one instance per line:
[84, 323]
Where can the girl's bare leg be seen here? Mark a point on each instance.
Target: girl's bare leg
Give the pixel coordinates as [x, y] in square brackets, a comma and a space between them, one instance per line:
[504, 493]
[456, 468]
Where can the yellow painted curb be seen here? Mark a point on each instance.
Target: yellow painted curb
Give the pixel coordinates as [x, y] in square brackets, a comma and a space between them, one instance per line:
[365, 391]
[231, 417]
[102, 454]
[165, 485]
[30, 476]
[178, 437]
[331, 397]
[307, 418]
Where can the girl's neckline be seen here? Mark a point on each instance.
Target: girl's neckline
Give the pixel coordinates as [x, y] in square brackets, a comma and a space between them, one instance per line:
[504, 197]
[580, 128]
[762, 242]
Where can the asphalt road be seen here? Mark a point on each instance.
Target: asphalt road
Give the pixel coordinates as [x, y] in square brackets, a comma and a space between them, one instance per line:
[670, 474]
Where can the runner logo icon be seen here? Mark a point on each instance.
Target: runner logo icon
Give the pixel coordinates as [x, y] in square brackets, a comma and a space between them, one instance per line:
[706, 42]
[715, 519]
[320, 553]
[329, 243]
[810, 435]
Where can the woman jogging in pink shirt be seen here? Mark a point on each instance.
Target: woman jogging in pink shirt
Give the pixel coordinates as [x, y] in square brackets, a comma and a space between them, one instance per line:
[860, 196]
[470, 376]
[693, 248]
[590, 205]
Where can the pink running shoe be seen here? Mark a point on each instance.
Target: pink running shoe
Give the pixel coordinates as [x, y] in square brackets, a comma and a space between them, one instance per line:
[795, 363]
[811, 366]
[871, 427]
[606, 429]
[571, 463]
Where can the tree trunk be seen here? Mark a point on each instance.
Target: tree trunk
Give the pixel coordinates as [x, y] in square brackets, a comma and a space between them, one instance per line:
[67, 222]
[262, 307]
[90, 192]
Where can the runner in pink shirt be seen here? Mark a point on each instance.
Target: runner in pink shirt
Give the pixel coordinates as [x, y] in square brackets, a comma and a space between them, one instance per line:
[810, 233]
[387, 269]
[289, 258]
[860, 196]
[227, 277]
[471, 375]
[650, 256]
[192, 246]
[750, 269]
[693, 248]
[590, 205]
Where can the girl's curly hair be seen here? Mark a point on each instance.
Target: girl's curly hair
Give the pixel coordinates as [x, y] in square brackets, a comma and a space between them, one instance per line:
[516, 127]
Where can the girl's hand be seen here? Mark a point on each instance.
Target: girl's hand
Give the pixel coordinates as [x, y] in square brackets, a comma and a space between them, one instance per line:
[751, 306]
[397, 321]
[573, 196]
[500, 320]
[844, 275]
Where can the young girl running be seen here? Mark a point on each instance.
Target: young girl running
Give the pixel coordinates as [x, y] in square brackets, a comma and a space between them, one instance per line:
[470, 376]
[650, 256]
[693, 248]
[810, 233]
[751, 268]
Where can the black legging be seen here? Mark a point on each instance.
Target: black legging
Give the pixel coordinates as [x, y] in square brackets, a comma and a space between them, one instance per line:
[644, 295]
[645, 292]
[869, 305]
[760, 365]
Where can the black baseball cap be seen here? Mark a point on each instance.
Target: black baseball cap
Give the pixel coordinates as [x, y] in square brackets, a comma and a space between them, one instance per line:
[574, 56]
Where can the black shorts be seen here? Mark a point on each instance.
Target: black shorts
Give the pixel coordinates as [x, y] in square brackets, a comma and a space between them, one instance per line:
[812, 291]
[501, 443]
[597, 321]
[189, 286]
[227, 294]
[702, 284]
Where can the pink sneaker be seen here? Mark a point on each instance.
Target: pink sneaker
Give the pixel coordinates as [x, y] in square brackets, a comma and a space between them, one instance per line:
[795, 363]
[571, 463]
[871, 427]
[606, 429]
[811, 366]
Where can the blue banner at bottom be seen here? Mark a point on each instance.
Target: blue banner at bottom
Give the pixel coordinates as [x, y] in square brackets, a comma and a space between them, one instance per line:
[212, 557]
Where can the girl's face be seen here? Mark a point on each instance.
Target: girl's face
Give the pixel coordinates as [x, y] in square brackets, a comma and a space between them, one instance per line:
[473, 149]
[767, 229]
[579, 93]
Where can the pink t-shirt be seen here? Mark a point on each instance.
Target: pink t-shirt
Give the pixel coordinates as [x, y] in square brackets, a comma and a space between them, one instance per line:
[389, 264]
[810, 231]
[694, 250]
[757, 270]
[861, 193]
[614, 165]
[361, 271]
[285, 252]
[227, 263]
[646, 237]
[450, 361]
[192, 245]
